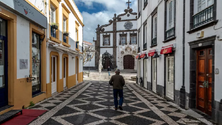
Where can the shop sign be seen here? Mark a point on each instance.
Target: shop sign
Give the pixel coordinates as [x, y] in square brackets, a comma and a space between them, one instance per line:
[25, 9]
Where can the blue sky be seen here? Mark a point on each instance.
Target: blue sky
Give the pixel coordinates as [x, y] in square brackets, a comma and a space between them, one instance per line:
[96, 12]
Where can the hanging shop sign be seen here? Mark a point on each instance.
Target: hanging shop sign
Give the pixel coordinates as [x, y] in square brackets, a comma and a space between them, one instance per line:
[138, 57]
[23, 8]
[151, 52]
[167, 49]
[143, 55]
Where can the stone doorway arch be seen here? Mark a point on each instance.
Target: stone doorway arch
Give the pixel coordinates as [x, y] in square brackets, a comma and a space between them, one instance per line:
[128, 62]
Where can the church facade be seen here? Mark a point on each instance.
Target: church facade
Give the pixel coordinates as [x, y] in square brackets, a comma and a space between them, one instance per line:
[117, 41]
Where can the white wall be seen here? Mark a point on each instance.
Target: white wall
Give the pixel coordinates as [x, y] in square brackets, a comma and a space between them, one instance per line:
[23, 41]
[120, 25]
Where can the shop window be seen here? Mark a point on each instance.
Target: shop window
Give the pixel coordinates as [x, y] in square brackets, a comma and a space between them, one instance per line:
[36, 63]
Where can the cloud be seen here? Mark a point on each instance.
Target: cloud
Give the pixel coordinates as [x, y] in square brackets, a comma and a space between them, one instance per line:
[92, 20]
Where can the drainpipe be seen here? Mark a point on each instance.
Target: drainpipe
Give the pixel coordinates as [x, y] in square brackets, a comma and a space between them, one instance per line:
[183, 90]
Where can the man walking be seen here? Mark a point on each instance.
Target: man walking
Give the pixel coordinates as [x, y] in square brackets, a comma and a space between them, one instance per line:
[109, 69]
[117, 81]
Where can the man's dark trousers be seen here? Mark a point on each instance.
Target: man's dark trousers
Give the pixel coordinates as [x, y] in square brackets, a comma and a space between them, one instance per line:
[117, 92]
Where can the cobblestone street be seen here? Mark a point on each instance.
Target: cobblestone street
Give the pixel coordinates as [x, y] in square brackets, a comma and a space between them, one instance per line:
[91, 103]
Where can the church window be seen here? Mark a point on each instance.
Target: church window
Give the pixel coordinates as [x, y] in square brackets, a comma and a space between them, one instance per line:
[123, 40]
[133, 38]
[106, 40]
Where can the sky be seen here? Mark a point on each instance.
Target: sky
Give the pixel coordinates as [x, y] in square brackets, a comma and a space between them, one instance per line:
[96, 12]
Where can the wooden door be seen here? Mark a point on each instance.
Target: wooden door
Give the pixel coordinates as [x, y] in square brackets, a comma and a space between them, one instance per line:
[77, 68]
[107, 63]
[128, 62]
[204, 80]
[54, 74]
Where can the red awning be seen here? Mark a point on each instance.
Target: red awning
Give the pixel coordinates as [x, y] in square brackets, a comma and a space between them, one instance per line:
[151, 52]
[143, 55]
[166, 49]
[137, 56]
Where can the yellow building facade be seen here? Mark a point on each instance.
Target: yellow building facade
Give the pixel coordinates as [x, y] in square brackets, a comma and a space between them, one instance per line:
[40, 50]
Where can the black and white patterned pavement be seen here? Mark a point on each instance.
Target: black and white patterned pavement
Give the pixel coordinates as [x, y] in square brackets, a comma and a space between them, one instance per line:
[91, 103]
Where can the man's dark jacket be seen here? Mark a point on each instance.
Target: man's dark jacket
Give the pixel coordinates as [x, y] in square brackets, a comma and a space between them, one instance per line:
[117, 81]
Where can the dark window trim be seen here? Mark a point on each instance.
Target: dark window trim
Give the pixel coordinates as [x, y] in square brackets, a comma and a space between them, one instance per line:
[104, 36]
[153, 14]
[133, 34]
[145, 4]
[123, 35]
[165, 21]
[144, 35]
[203, 26]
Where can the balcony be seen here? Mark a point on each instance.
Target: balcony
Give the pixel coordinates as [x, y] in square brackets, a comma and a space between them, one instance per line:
[53, 31]
[145, 46]
[154, 42]
[138, 50]
[203, 16]
[170, 33]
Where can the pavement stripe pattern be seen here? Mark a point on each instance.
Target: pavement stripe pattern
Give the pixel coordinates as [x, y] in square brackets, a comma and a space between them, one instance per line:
[92, 104]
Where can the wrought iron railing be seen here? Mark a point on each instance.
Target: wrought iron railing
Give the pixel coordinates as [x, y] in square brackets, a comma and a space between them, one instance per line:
[144, 46]
[53, 32]
[203, 16]
[170, 33]
[154, 42]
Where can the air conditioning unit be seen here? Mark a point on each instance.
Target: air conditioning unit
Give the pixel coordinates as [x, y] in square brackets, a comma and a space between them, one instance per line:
[200, 34]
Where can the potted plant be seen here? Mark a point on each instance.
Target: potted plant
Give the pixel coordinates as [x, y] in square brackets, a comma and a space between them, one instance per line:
[65, 33]
[54, 26]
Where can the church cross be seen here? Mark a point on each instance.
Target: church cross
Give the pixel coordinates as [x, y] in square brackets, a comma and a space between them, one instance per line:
[128, 3]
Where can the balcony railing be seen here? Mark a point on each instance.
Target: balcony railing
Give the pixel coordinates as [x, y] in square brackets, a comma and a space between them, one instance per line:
[203, 16]
[154, 42]
[144, 46]
[138, 49]
[170, 33]
[53, 32]
[77, 44]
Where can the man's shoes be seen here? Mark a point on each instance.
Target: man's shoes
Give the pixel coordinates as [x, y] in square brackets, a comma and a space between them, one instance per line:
[116, 108]
[120, 107]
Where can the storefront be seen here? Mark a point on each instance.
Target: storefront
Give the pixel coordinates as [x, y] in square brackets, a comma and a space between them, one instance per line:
[22, 31]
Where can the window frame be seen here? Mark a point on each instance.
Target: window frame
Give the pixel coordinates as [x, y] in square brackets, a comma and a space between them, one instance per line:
[206, 24]
[144, 35]
[133, 35]
[167, 27]
[145, 3]
[106, 36]
[123, 35]
[154, 15]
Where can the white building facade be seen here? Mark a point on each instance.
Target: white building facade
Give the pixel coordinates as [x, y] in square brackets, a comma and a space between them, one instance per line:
[179, 43]
[117, 41]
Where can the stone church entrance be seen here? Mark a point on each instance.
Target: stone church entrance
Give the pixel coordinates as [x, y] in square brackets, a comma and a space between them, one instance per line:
[128, 62]
[107, 60]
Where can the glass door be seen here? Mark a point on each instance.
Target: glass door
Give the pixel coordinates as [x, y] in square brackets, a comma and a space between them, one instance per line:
[154, 74]
[3, 61]
[36, 64]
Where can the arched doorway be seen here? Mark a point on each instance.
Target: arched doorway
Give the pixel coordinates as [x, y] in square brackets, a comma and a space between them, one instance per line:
[107, 60]
[128, 62]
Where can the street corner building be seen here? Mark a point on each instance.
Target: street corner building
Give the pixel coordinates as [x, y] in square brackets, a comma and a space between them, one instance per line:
[179, 52]
[116, 42]
[40, 50]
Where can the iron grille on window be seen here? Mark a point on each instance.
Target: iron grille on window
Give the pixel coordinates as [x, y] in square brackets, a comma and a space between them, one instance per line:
[154, 42]
[170, 33]
[53, 32]
[203, 16]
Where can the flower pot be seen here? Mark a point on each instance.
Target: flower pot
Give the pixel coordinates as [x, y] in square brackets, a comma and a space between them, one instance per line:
[66, 34]
[54, 27]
